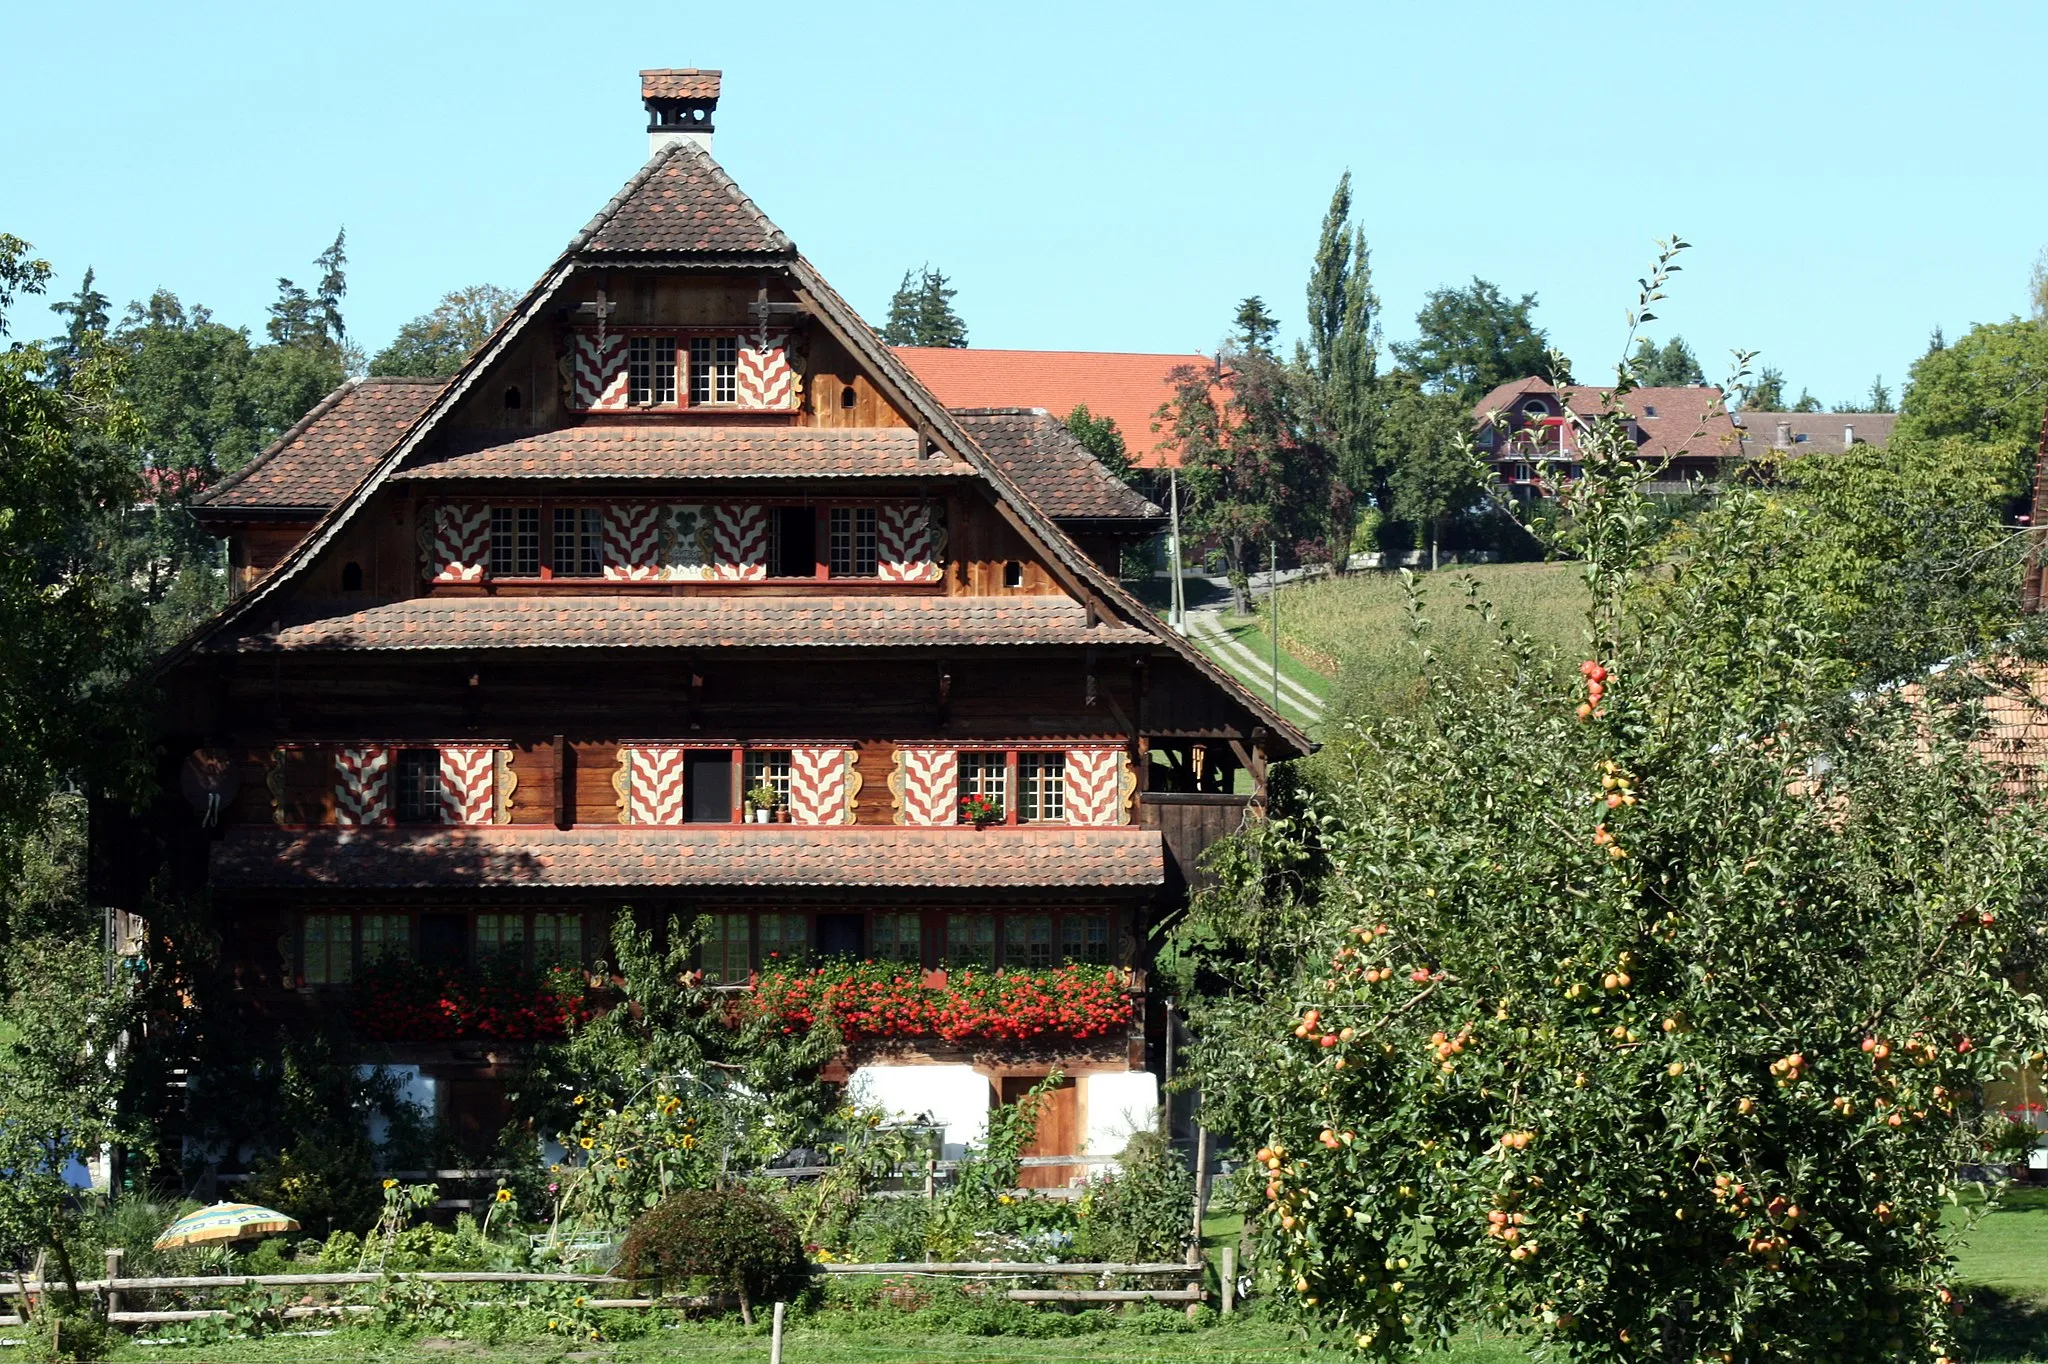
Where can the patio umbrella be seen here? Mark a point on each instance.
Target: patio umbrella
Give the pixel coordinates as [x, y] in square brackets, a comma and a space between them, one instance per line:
[223, 1222]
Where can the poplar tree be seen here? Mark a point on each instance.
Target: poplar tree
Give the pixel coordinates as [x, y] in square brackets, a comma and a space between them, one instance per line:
[1342, 360]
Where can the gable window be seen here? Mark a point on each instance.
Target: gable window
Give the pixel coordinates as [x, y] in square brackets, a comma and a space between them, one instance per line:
[1042, 788]
[515, 542]
[792, 542]
[770, 767]
[579, 542]
[651, 371]
[986, 775]
[851, 539]
[714, 369]
[419, 786]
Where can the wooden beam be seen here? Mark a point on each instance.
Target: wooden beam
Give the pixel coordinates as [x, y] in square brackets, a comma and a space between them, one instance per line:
[565, 784]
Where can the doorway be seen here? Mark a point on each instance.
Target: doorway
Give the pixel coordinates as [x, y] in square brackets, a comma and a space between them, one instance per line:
[1059, 1129]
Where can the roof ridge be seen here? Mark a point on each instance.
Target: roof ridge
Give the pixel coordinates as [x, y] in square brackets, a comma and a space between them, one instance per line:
[681, 148]
[290, 434]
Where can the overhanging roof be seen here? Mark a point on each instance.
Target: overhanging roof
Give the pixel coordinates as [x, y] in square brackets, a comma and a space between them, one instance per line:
[638, 450]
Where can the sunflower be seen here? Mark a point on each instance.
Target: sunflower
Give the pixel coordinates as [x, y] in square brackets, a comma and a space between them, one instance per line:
[390, 1183]
[504, 1195]
[623, 1162]
[587, 1143]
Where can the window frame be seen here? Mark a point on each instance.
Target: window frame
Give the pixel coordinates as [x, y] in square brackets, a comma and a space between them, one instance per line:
[650, 370]
[1034, 792]
[714, 380]
[408, 756]
[377, 933]
[861, 544]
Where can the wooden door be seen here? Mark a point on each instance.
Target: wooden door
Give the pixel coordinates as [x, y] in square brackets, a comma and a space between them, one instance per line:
[476, 1111]
[1058, 1134]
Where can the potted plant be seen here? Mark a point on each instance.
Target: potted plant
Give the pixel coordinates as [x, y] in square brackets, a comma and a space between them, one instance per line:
[762, 800]
[981, 811]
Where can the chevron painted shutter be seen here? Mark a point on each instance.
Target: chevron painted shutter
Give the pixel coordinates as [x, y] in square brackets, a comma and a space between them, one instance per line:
[927, 786]
[821, 785]
[765, 380]
[461, 542]
[632, 541]
[1095, 782]
[739, 541]
[362, 785]
[599, 382]
[469, 781]
[654, 786]
[906, 543]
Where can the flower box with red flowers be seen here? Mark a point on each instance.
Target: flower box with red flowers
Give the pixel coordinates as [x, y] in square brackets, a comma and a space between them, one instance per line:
[401, 1000]
[874, 1001]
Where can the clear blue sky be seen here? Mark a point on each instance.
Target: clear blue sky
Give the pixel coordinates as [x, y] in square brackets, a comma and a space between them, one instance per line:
[1096, 176]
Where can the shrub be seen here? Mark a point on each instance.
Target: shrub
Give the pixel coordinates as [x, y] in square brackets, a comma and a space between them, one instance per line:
[325, 1183]
[735, 1241]
[1144, 1210]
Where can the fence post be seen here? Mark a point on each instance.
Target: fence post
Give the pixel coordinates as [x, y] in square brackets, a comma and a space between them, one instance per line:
[114, 1254]
[775, 1335]
[1201, 1179]
[1229, 1279]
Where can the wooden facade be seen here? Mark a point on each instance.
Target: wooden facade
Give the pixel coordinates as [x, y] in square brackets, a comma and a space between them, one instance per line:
[507, 653]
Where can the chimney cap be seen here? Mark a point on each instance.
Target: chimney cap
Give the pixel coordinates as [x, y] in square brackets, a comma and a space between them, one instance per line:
[679, 82]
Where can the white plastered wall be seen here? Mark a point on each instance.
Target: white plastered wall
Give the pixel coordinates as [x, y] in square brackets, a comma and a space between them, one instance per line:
[955, 1098]
[1114, 1104]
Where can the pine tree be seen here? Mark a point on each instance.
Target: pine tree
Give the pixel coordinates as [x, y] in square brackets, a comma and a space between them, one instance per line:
[85, 317]
[1767, 394]
[1671, 366]
[1256, 328]
[333, 284]
[921, 313]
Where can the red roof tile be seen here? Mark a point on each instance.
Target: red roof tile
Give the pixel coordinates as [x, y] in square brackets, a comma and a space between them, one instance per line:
[1055, 470]
[680, 201]
[740, 620]
[679, 82]
[331, 449]
[639, 450]
[605, 856]
[1130, 388]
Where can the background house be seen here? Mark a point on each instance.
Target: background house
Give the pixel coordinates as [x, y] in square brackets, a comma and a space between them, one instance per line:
[1530, 431]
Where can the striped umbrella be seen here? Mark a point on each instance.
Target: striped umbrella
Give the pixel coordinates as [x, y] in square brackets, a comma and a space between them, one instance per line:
[223, 1222]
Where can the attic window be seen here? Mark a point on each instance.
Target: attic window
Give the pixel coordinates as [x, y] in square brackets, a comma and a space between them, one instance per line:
[512, 399]
[1649, 410]
[1013, 574]
[847, 397]
[351, 577]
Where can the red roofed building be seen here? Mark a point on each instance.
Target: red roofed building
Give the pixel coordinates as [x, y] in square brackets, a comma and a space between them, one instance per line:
[1531, 431]
[685, 596]
[1125, 387]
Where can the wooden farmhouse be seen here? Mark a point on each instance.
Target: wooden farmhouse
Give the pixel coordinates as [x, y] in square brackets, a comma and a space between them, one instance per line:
[509, 654]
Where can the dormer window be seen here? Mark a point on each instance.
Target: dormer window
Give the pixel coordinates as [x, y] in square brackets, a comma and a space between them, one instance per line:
[714, 370]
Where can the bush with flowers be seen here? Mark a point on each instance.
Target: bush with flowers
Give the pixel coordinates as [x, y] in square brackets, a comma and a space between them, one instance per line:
[401, 999]
[876, 1001]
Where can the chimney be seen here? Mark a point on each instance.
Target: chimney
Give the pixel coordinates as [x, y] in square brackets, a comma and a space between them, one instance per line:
[1848, 436]
[679, 103]
[1784, 440]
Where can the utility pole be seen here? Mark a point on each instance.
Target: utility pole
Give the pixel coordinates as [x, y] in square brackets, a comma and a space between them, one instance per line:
[1177, 612]
[1273, 612]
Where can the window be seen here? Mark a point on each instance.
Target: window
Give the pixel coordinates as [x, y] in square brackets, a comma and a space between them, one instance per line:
[1042, 788]
[419, 786]
[512, 399]
[852, 541]
[1013, 574]
[971, 940]
[500, 935]
[770, 767]
[726, 953]
[1085, 938]
[792, 542]
[985, 774]
[848, 398]
[707, 785]
[1027, 940]
[898, 937]
[351, 576]
[651, 370]
[386, 935]
[557, 940]
[579, 542]
[785, 938]
[328, 949]
[714, 369]
[515, 542]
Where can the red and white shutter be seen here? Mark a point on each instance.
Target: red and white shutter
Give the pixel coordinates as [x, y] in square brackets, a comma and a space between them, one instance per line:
[764, 380]
[632, 541]
[469, 785]
[362, 785]
[654, 786]
[1095, 786]
[928, 786]
[739, 541]
[599, 381]
[821, 785]
[461, 542]
[906, 543]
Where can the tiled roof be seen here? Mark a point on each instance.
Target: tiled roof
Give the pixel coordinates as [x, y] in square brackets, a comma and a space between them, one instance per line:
[682, 202]
[601, 856]
[1813, 432]
[639, 450]
[331, 449]
[681, 82]
[1055, 470]
[740, 620]
[1128, 387]
[1691, 421]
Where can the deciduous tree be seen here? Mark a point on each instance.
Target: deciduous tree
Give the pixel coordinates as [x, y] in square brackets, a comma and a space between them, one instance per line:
[1102, 439]
[1672, 365]
[437, 342]
[1470, 339]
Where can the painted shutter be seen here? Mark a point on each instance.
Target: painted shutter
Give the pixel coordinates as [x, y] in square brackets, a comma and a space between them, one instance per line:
[362, 785]
[632, 541]
[906, 543]
[739, 542]
[598, 383]
[652, 782]
[822, 783]
[927, 786]
[685, 533]
[459, 543]
[469, 782]
[1096, 793]
[765, 380]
